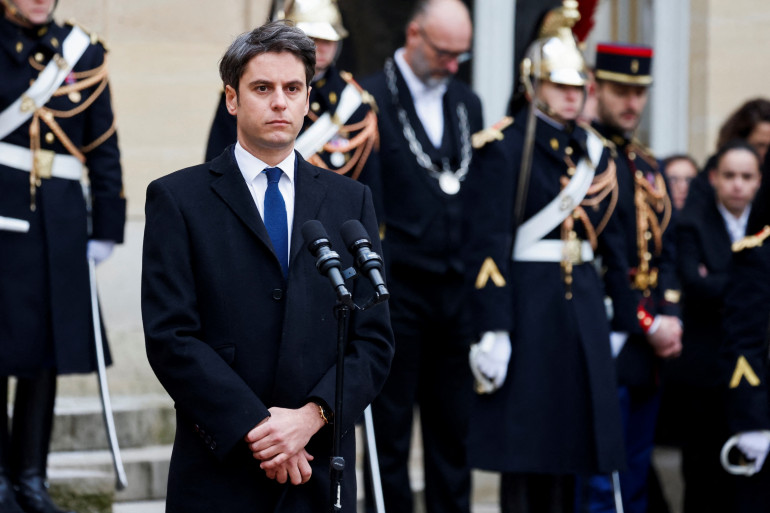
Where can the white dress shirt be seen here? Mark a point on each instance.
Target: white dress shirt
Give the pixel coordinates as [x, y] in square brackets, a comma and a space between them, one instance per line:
[252, 170]
[428, 101]
[736, 226]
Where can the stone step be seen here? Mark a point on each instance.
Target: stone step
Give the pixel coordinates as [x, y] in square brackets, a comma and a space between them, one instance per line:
[139, 421]
[77, 473]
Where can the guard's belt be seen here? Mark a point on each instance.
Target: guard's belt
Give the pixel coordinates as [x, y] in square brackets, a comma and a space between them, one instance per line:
[62, 166]
[553, 251]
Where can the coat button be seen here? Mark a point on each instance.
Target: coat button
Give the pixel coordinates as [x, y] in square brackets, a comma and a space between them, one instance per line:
[277, 294]
[197, 428]
[213, 446]
[207, 439]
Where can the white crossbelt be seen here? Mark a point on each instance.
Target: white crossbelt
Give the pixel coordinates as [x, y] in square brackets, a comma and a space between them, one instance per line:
[17, 157]
[319, 133]
[530, 246]
[49, 80]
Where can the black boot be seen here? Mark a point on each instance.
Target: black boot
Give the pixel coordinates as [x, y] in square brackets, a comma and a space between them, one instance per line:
[31, 435]
[7, 495]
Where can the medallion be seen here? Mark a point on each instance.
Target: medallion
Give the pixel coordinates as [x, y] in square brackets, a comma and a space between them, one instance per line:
[449, 183]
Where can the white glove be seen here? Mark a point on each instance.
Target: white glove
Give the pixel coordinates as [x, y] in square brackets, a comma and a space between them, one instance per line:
[755, 446]
[99, 250]
[489, 360]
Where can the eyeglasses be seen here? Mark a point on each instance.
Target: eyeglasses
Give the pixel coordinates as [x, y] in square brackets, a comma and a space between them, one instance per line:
[444, 54]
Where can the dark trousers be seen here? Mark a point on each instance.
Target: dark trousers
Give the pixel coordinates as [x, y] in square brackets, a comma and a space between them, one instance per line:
[430, 369]
[639, 410]
[536, 493]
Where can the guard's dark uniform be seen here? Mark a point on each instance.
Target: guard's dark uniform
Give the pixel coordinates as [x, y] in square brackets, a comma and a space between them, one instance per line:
[747, 310]
[46, 324]
[346, 153]
[45, 296]
[557, 412]
[421, 230]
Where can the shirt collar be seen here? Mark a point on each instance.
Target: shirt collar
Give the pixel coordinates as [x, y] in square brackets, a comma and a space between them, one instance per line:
[416, 86]
[251, 166]
[736, 224]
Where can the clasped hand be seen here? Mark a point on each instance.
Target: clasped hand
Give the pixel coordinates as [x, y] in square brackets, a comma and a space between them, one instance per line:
[279, 441]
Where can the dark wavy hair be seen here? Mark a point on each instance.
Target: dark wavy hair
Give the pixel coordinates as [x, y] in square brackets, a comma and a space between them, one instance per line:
[275, 36]
[743, 121]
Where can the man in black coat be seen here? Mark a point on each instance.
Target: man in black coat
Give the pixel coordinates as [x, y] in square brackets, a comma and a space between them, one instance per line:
[55, 120]
[426, 118]
[239, 324]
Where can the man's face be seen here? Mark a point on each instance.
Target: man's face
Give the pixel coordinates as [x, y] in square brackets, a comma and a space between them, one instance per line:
[325, 51]
[271, 104]
[36, 11]
[680, 173]
[759, 138]
[736, 180]
[435, 46]
[565, 101]
[620, 105]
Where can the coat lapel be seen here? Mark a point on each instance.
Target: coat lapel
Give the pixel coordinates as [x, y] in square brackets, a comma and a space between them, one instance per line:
[233, 190]
[309, 193]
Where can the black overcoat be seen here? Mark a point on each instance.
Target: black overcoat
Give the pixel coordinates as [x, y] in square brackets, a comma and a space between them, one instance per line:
[229, 338]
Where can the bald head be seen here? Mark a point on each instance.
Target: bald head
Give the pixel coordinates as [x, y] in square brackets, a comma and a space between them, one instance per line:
[438, 33]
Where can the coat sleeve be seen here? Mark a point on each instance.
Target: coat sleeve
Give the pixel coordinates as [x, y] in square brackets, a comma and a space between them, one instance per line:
[689, 258]
[203, 386]
[747, 310]
[488, 195]
[103, 163]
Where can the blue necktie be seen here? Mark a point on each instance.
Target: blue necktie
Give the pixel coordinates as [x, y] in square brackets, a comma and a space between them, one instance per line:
[275, 218]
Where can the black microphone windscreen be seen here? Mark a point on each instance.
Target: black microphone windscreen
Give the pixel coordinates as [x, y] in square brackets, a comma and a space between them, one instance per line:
[312, 231]
[353, 231]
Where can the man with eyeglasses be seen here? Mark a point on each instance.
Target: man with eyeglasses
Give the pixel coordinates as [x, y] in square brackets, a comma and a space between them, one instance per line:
[426, 120]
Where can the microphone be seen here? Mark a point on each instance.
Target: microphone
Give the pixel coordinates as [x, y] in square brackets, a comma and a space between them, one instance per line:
[366, 261]
[327, 261]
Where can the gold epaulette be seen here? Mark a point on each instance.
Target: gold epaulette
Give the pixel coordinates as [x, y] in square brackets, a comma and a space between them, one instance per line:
[493, 133]
[366, 97]
[751, 241]
[94, 37]
[644, 152]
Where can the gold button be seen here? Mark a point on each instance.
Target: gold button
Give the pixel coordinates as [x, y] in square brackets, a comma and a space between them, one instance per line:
[333, 97]
[576, 214]
[54, 42]
[648, 256]
[640, 315]
[647, 235]
[568, 150]
[74, 97]
[315, 106]
[554, 144]
[49, 138]
[571, 170]
[39, 57]
[639, 174]
[631, 155]
[19, 46]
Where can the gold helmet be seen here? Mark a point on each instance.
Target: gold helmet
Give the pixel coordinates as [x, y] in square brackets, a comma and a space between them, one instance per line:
[555, 56]
[319, 19]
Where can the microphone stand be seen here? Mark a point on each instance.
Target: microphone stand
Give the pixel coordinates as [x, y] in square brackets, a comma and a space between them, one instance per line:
[337, 462]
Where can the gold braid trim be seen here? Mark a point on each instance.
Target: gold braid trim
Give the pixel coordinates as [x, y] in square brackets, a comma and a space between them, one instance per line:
[48, 118]
[100, 140]
[84, 104]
